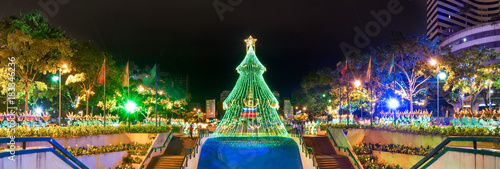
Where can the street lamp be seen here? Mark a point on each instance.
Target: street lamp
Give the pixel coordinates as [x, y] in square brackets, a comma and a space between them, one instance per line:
[130, 107]
[393, 104]
[439, 75]
[433, 62]
[55, 78]
[488, 82]
[357, 84]
[38, 110]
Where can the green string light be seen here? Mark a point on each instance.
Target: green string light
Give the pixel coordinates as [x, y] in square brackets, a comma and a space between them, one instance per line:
[251, 108]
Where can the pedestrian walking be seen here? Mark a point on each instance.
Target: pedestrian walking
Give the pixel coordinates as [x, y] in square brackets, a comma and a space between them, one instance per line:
[191, 131]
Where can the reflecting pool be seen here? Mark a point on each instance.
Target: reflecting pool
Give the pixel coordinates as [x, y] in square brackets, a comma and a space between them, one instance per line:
[249, 153]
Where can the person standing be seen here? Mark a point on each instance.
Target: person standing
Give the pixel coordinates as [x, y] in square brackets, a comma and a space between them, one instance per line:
[191, 131]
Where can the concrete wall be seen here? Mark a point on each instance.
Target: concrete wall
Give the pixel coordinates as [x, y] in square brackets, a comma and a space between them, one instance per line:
[103, 161]
[358, 136]
[193, 163]
[403, 160]
[98, 140]
[458, 160]
[48, 160]
[306, 161]
[45, 160]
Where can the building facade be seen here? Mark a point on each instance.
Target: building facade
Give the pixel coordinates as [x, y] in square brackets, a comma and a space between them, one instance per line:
[487, 34]
[447, 17]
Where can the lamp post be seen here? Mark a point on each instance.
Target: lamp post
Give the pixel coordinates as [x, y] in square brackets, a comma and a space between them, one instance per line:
[357, 84]
[434, 62]
[393, 104]
[440, 76]
[488, 82]
[130, 107]
[56, 78]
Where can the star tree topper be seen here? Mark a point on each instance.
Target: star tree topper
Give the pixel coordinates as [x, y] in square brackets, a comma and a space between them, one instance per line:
[250, 42]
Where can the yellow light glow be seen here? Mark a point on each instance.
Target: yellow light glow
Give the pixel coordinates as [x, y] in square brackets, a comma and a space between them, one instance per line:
[433, 62]
[64, 65]
[357, 83]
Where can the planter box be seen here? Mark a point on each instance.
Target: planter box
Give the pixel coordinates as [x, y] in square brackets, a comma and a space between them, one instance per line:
[97, 140]
[358, 136]
[404, 160]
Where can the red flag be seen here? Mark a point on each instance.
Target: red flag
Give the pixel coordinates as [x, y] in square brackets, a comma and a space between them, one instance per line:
[102, 73]
[343, 70]
[343, 73]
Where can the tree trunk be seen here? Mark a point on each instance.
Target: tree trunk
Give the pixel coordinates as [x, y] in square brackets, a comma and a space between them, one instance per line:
[26, 94]
[87, 108]
[411, 104]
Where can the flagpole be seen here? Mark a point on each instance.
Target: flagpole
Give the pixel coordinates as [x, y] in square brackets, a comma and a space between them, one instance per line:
[369, 74]
[156, 96]
[128, 79]
[348, 99]
[104, 91]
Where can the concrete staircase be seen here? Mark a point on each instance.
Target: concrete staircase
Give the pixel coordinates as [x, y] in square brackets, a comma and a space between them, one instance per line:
[174, 154]
[334, 161]
[325, 153]
[167, 162]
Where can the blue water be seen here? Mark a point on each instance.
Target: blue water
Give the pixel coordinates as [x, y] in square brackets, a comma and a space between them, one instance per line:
[250, 153]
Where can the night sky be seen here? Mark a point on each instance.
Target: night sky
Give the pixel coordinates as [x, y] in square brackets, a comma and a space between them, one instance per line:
[188, 37]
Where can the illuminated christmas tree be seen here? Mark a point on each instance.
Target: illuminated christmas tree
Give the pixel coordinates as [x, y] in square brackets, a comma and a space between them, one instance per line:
[251, 108]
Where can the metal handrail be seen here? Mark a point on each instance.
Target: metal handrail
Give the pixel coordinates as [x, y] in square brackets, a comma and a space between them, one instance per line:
[56, 148]
[154, 148]
[445, 142]
[191, 152]
[296, 133]
[351, 154]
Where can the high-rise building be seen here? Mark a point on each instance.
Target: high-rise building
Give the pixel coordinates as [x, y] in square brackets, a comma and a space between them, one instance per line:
[224, 94]
[446, 17]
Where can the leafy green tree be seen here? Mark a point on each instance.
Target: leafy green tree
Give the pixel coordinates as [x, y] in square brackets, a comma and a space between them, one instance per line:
[411, 55]
[470, 70]
[86, 64]
[315, 91]
[37, 48]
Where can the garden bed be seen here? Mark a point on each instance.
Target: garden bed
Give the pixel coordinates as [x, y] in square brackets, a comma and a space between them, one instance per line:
[405, 161]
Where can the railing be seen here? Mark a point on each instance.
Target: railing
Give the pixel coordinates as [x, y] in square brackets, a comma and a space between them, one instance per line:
[56, 148]
[436, 152]
[191, 152]
[346, 149]
[308, 150]
[156, 148]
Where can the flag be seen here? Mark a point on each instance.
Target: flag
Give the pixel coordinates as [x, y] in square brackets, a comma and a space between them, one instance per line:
[102, 73]
[392, 65]
[151, 76]
[369, 71]
[126, 76]
[153, 72]
[343, 72]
